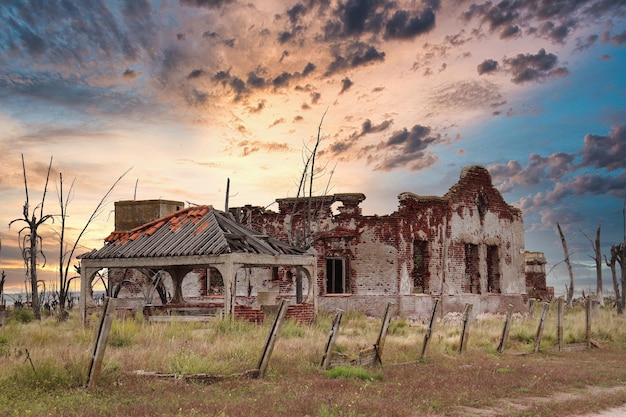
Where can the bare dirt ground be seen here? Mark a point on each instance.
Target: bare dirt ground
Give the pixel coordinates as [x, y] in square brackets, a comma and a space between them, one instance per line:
[520, 406]
[614, 412]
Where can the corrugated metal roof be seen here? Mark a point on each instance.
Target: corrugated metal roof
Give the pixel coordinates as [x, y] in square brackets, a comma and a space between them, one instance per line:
[198, 230]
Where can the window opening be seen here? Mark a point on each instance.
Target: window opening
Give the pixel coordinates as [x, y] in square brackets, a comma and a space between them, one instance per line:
[493, 269]
[335, 276]
[215, 282]
[421, 258]
[472, 274]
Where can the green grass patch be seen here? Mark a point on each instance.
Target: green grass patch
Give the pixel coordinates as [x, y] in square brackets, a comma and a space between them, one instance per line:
[504, 370]
[123, 332]
[291, 329]
[522, 335]
[119, 341]
[44, 376]
[334, 411]
[398, 328]
[22, 315]
[233, 327]
[353, 372]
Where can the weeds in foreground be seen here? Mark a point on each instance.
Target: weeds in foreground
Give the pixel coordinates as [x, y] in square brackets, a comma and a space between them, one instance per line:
[21, 315]
[50, 358]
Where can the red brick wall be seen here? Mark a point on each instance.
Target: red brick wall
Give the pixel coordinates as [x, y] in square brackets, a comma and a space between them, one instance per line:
[302, 313]
[249, 314]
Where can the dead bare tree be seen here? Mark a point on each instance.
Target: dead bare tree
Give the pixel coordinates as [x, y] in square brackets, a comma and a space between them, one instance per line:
[66, 253]
[618, 255]
[611, 263]
[3, 278]
[29, 239]
[64, 282]
[621, 259]
[570, 289]
[303, 238]
[598, 260]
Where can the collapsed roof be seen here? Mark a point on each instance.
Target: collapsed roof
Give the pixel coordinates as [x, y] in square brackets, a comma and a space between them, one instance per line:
[197, 230]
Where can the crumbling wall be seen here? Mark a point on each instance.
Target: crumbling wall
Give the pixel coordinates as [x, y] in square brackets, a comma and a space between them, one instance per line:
[468, 244]
[479, 216]
[536, 285]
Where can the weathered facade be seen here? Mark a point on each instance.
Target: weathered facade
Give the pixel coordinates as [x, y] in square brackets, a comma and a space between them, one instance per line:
[464, 247]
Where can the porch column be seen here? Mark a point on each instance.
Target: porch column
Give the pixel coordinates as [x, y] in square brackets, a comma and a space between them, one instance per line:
[178, 273]
[311, 275]
[86, 292]
[228, 272]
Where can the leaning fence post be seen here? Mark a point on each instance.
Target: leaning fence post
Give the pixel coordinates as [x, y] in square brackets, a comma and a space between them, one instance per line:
[505, 330]
[542, 321]
[466, 322]
[101, 341]
[332, 338]
[380, 342]
[271, 339]
[588, 323]
[429, 331]
[559, 322]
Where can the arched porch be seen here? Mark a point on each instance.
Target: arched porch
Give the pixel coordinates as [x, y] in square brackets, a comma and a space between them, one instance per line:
[228, 265]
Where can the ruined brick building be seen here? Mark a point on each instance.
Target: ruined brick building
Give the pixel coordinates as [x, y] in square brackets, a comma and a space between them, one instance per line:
[464, 247]
[323, 253]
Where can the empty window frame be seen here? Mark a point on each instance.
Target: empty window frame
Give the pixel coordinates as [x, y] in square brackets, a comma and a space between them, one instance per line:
[421, 259]
[215, 282]
[335, 275]
[472, 272]
[493, 269]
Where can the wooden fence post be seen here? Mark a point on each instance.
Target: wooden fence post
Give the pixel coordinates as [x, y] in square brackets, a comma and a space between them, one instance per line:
[506, 329]
[380, 342]
[467, 314]
[542, 321]
[429, 331]
[588, 323]
[95, 365]
[271, 339]
[559, 322]
[332, 338]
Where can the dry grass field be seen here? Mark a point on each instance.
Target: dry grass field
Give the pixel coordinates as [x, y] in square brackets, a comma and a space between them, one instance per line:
[44, 366]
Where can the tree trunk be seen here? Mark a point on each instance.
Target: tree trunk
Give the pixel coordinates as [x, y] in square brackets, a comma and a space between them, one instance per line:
[598, 259]
[622, 263]
[570, 289]
[33, 275]
[611, 264]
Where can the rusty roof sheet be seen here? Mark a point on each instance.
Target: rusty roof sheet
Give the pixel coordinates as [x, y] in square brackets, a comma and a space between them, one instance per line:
[197, 230]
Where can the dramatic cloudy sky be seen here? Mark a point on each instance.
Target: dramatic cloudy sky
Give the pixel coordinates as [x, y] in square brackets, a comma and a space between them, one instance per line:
[189, 93]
